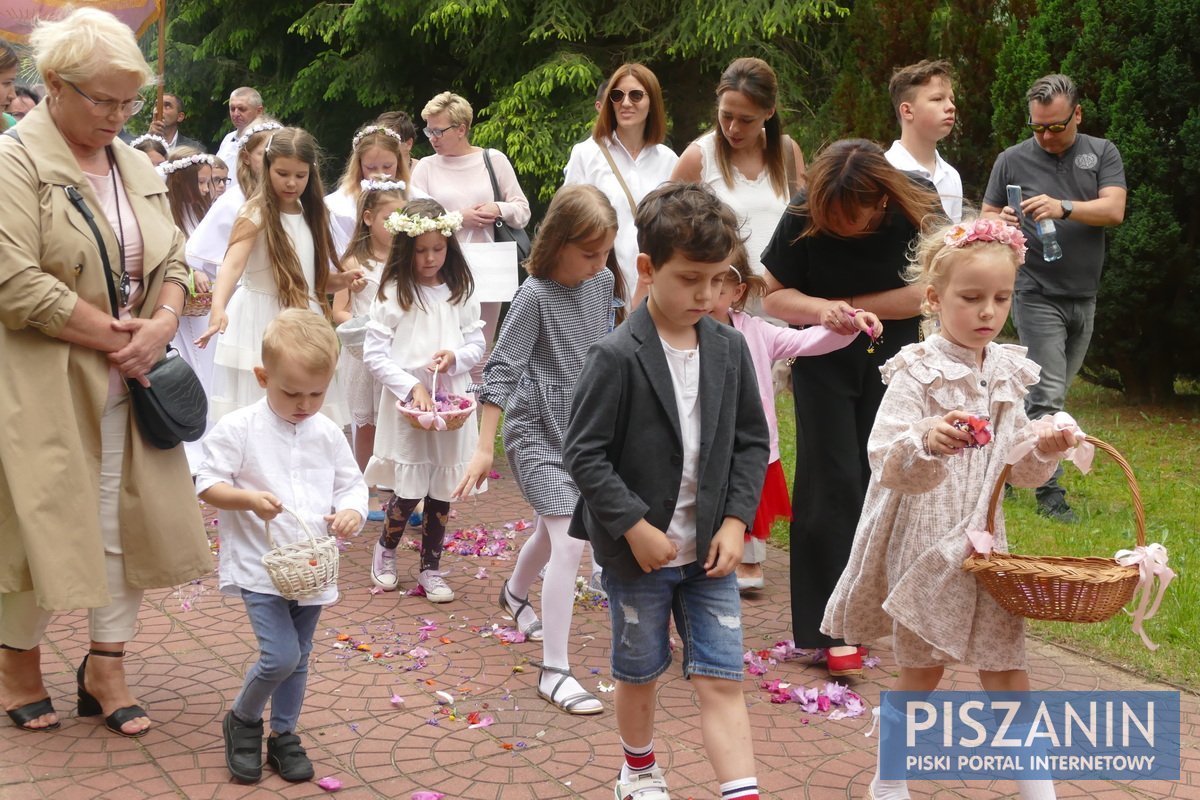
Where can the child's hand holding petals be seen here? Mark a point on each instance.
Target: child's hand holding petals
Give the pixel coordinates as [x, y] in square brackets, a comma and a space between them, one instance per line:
[344, 523]
[869, 324]
[944, 439]
[421, 399]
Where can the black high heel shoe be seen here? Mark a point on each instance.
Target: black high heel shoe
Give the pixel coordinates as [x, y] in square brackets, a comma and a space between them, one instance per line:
[89, 706]
[27, 713]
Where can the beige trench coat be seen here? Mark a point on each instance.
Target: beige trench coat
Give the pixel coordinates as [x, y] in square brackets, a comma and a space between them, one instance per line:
[52, 394]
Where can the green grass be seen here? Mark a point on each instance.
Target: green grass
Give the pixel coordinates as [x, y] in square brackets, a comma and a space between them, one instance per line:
[1163, 447]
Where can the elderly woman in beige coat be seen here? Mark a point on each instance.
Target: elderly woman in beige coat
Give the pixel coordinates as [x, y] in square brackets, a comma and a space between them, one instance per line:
[90, 515]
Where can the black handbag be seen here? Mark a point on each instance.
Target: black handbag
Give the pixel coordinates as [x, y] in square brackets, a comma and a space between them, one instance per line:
[504, 231]
[173, 408]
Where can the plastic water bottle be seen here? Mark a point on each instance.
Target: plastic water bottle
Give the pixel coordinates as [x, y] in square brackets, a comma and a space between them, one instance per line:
[1051, 249]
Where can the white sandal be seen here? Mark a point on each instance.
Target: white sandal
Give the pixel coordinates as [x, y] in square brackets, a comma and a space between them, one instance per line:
[568, 704]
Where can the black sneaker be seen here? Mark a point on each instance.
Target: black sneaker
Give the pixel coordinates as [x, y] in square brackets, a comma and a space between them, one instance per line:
[243, 748]
[289, 758]
[1058, 511]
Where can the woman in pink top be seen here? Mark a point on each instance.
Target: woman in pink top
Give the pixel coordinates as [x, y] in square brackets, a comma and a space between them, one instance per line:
[769, 343]
[457, 178]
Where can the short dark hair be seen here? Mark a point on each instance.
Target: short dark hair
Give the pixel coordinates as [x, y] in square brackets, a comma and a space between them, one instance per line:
[1048, 87]
[400, 122]
[178, 100]
[906, 80]
[686, 218]
[28, 91]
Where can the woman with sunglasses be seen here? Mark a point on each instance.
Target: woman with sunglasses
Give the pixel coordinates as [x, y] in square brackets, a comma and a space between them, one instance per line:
[747, 159]
[93, 515]
[625, 157]
[457, 178]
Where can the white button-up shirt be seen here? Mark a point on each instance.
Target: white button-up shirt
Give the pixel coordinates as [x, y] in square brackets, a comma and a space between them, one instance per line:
[945, 178]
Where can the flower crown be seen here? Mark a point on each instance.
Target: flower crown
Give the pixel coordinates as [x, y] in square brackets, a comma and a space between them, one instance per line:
[259, 128]
[167, 167]
[372, 185]
[367, 131]
[447, 224]
[987, 230]
[149, 137]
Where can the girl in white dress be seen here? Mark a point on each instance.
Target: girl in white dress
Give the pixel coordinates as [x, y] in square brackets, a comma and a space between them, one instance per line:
[375, 152]
[188, 174]
[281, 253]
[424, 326]
[933, 467]
[368, 251]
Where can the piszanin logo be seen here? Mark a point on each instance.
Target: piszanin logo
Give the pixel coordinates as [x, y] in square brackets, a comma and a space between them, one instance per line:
[1028, 735]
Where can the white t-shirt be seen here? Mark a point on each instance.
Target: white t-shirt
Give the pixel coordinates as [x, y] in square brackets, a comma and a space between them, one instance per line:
[945, 178]
[685, 380]
[227, 152]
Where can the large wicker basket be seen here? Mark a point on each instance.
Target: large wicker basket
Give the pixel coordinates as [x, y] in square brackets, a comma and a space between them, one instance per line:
[302, 569]
[1060, 588]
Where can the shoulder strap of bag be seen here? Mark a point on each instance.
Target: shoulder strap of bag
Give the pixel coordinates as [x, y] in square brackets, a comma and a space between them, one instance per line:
[81, 205]
[613, 165]
[487, 162]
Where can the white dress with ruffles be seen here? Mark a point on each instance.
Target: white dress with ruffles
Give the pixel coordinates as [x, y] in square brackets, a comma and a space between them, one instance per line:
[904, 577]
[416, 463]
[362, 389]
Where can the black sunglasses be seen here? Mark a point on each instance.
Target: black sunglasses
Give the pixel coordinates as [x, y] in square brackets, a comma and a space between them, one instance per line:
[635, 96]
[1054, 127]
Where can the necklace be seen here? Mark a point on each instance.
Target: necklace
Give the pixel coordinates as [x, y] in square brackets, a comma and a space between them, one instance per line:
[123, 285]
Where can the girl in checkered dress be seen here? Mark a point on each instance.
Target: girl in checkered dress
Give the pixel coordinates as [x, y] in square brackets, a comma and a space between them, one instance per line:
[557, 315]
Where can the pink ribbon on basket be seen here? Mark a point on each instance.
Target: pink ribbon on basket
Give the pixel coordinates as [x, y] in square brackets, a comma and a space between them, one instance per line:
[1151, 561]
[1081, 455]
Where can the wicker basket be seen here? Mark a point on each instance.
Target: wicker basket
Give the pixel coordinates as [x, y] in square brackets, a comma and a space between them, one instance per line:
[302, 569]
[352, 334]
[453, 419]
[1060, 588]
[197, 304]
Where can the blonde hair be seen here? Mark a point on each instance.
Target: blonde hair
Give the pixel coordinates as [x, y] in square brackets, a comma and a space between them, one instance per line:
[294, 291]
[361, 248]
[351, 182]
[302, 336]
[86, 43]
[578, 213]
[455, 106]
[247, 180]
[930, 260]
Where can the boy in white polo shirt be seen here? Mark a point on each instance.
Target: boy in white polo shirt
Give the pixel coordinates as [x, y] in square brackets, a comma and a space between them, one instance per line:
[923, 97]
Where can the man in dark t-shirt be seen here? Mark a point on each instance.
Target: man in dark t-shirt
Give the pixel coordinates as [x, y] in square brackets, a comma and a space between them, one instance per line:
[1075, 183]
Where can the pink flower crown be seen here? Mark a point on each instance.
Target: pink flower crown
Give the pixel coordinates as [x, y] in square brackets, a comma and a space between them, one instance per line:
[987, 230]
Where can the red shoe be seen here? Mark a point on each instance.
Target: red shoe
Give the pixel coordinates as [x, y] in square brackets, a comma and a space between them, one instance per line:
[840, 666]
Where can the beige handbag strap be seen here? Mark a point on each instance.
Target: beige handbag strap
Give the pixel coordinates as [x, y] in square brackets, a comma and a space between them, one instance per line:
[613, 165]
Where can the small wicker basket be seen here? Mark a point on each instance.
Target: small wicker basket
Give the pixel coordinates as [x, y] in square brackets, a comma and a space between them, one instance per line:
[437, 420]
[197, 304]
[302, 569]
[1060, 588]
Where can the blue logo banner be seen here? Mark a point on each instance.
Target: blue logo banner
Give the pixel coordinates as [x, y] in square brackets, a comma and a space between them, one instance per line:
[1094, 735]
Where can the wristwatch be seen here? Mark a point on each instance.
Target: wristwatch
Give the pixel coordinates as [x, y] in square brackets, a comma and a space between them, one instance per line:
[1067, 207]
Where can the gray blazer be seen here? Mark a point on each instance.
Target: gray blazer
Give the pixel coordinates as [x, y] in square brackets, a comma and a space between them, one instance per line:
[624, 448]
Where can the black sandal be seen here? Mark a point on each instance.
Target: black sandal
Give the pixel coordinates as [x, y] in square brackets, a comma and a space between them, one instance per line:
[571, 703]
[534, 632]
[289, 758]
[27, 713]
[89, 706]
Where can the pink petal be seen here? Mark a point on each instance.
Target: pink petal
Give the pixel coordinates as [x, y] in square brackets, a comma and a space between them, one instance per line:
[483, 723]
[330, 784]
[423, 795]
[397, 700]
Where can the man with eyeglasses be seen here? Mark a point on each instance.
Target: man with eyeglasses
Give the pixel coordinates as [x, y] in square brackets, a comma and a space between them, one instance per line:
[1078, 182]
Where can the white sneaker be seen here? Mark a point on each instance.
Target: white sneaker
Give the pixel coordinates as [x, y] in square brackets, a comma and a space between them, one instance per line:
[648, 785]
[436, 589]
[383, 568]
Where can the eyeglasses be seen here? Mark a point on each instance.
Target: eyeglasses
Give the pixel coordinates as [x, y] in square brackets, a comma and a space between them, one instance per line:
[617, 96]
[223, 181]
[1054, 127]
[437, 133]
[127, 107]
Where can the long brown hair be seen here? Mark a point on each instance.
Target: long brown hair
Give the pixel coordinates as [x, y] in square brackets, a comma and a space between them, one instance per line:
[8, 60]
[360, 247]
[754, 78]
[578, 213]
[455, 272]
[853, 174]
[285, 263]
[373, 135]
[188, 205]
[655, 129]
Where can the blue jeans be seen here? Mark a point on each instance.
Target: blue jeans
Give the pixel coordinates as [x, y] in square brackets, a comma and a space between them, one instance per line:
[1057, 331]
[284, 629]
[708, 616]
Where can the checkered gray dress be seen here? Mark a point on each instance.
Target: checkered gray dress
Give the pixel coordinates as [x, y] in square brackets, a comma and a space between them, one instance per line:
[532, 373]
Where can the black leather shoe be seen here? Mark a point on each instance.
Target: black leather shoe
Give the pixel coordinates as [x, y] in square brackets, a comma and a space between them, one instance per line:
[288, 757]
[243, 748]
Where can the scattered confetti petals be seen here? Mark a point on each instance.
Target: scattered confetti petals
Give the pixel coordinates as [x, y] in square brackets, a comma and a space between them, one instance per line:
[397, 700]
[606, 687]
[425, 795]
[482, 723]
[329, 784]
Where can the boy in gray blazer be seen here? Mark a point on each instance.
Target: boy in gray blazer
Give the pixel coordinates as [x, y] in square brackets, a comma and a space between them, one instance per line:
[668, 446]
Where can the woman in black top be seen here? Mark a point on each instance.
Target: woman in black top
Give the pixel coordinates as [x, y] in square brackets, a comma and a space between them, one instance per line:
[841, 245]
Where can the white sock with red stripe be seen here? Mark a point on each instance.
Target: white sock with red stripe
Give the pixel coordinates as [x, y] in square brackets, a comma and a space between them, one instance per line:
[637, 759]
[740, 789]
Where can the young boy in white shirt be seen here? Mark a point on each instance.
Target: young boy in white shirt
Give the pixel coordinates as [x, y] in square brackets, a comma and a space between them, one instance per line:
[923, 97]
[668, 445]
[275, 455]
